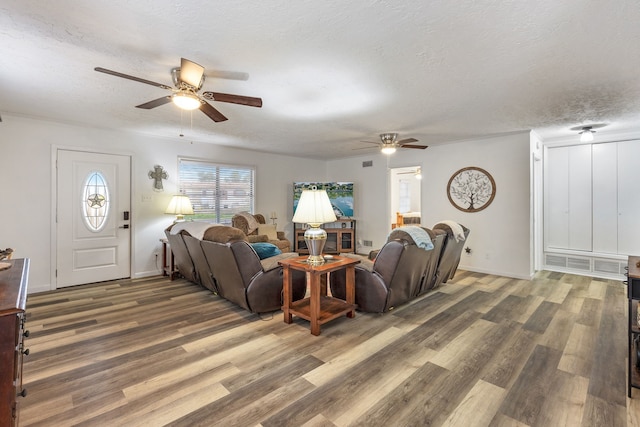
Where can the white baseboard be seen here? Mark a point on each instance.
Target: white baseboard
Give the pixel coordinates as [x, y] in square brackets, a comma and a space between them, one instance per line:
[35, 289]
[497, 273]
[143, 274]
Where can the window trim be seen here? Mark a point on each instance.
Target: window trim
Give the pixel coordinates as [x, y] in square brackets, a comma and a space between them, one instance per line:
[219, 213]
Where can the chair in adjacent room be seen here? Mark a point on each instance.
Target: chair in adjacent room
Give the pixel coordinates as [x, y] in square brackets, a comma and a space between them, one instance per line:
[257, 230]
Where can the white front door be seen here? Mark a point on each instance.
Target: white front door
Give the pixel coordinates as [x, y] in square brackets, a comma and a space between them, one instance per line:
[93, 217]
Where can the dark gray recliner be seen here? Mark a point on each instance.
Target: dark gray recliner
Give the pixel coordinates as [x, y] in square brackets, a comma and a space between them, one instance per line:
[181, 258]
[400, 272]
[241, 277]
[451, 253]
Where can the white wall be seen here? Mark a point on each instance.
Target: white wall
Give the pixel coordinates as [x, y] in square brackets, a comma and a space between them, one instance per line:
[26, 148]
[500, 237]
[500, 234]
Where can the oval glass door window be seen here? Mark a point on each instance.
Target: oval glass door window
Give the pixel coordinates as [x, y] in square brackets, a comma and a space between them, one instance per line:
[95, 201]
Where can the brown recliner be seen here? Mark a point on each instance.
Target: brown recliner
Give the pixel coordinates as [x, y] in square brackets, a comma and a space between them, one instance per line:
[397, 275]
[240, 222]
[451, 253]
[241, 277]
[181, 258]
[203, 272]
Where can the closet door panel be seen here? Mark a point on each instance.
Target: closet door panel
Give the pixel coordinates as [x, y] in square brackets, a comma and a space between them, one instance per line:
[605, 198]
[557, 198]
[629, 198]
[580, 198]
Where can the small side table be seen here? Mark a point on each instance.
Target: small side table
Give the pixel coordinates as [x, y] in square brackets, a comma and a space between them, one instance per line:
[318, 308]
[168, 264]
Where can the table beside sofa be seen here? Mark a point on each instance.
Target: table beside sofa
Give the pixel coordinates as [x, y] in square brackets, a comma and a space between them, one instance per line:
[318, 308]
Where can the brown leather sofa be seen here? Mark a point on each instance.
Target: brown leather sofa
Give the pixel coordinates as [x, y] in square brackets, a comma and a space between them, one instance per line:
[401, 271]
[181, 258]
[219, 258]
[451, 253]
[240, 221]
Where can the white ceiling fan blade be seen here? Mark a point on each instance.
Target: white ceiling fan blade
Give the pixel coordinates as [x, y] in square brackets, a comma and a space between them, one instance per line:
[191, 73]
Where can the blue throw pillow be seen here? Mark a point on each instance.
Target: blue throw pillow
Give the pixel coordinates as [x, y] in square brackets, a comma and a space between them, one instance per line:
[266, 250]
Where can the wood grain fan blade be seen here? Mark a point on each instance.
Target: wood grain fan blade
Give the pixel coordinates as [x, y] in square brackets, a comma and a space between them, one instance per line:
[213, 114]
[191, 73]
[128, 77]
[155, 103]
[233, 99]
[406, 141]
[419, 147]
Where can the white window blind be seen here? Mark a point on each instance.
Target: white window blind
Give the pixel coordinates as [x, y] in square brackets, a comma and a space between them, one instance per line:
[404, 202]
[217, 191]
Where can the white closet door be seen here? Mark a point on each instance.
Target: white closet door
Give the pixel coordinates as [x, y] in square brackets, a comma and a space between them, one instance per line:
[605, 198]
[557, 190]
[580, 235]
[568, 191]
[629, 198]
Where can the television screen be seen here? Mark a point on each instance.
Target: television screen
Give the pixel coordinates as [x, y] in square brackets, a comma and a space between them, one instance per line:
[340, 195]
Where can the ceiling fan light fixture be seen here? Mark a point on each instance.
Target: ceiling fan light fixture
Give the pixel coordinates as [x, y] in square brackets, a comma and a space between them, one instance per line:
[586, 135]
[388, 149]
[186, 101]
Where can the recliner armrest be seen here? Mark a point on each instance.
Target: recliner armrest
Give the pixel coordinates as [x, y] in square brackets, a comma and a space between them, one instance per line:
[272, 262]
[257, 238]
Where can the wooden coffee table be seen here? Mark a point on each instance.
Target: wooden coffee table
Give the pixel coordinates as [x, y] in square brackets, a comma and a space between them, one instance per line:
[318, 308]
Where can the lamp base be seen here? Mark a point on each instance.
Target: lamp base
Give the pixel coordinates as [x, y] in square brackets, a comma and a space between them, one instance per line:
[315, 238]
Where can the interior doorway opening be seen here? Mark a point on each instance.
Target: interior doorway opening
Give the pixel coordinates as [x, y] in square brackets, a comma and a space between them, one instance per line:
[405, 192]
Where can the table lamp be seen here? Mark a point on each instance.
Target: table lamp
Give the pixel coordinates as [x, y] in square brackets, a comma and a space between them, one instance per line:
[314, 209]
[180, 205]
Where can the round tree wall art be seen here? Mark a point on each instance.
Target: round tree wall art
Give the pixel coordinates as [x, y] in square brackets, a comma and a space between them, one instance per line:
[471, 189]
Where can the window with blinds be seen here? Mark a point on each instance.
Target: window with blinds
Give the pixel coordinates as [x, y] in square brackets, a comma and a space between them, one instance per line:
[404, 196]
[217, 191]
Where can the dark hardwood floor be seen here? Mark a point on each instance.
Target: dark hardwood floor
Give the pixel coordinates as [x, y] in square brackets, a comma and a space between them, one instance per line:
[481, 350]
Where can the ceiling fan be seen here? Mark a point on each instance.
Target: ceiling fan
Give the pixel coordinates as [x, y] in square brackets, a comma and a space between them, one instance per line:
[417, 173]
[188, 80]
[389, 143]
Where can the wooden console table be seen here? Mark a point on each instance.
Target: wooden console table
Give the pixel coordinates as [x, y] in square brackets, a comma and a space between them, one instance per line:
[13, 301]
[318, 308]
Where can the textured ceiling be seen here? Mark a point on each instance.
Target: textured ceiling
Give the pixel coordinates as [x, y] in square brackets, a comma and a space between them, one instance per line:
[331, 73]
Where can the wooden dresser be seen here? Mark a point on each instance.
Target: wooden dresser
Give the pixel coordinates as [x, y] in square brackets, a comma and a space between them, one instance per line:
[13, 299]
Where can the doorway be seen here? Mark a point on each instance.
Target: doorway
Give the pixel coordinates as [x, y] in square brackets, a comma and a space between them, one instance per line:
[405, 196]
[93, 205]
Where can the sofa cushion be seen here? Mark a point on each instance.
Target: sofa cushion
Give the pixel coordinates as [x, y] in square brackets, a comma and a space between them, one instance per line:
[265, 250]
[224, 234]
[269, 264]
[269, 230]
[255, 238]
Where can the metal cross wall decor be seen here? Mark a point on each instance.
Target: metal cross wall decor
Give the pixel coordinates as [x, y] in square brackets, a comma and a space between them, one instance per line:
[158, 174]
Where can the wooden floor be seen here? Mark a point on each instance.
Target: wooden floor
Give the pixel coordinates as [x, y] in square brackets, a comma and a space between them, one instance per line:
[481, 351]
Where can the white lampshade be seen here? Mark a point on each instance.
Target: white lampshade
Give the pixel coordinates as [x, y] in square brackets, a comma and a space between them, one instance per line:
[186, 100]
[314, 208]
[179, 205]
